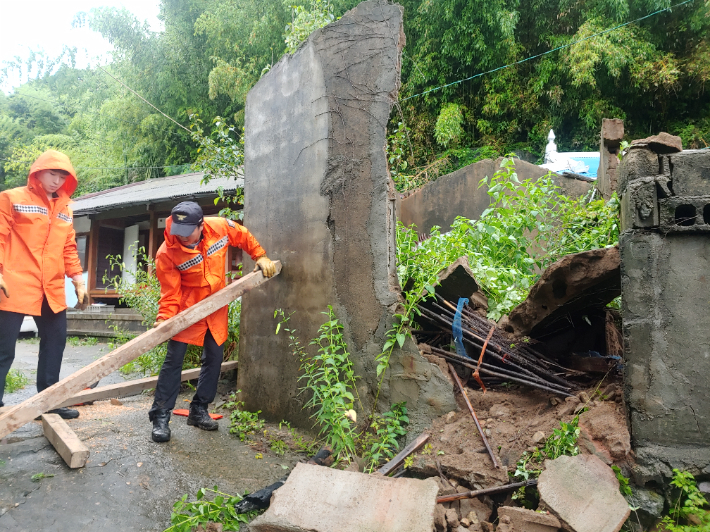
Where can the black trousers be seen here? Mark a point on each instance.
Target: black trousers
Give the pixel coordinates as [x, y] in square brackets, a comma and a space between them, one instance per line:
[168, 387]
[52, 340]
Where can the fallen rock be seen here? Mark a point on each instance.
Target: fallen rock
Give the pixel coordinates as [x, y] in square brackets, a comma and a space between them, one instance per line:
[456, 281]
[583, 493]
[571, 285]
[606, 426]
[538, 437]
[649, 505]
[452, 518]
[116, 402]
[475, 510]
[499, 411]
[504, 525]
[487, 527]
[321, 499]
[440, 518]
[528, 521]
[661, 143]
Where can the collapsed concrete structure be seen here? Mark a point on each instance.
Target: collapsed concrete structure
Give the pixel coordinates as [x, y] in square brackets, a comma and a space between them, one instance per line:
[665, 265]
[321, 200]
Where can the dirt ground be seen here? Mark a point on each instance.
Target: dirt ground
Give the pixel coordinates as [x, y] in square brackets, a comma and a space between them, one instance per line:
[514, 421]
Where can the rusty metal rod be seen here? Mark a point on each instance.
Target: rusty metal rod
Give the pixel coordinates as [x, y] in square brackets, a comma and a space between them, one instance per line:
[486, 491]
[473, 414]
[545, 387]
[495, 371]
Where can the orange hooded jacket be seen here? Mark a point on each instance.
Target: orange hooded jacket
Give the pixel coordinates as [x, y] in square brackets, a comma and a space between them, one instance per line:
[37, 240]
[188, 276]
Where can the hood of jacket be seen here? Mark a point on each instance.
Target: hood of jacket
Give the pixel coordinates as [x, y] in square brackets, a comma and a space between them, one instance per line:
[53, 160]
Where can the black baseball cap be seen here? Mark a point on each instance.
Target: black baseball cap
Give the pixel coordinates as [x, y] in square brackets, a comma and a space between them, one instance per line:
[186, 216]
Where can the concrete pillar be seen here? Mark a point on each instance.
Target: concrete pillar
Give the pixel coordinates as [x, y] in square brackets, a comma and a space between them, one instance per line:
[319, 198]
[665, 264]
[130, 245]
[609, 144]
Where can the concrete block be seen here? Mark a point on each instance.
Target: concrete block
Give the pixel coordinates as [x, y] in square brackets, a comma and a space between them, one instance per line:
[529, 521]
[639, 204]
[690, 173]
[612, 132]
[583, 493]
[320, 499]
[320, 199]
[686, 214]
[638, 162]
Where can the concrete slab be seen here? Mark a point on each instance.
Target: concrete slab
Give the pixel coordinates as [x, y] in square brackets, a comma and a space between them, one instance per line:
[319, 499]
[583, 493]
[524, 520]
[320, 199]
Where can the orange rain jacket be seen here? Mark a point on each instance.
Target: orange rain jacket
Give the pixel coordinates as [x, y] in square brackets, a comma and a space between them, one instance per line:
[37, 240]
[188, 276]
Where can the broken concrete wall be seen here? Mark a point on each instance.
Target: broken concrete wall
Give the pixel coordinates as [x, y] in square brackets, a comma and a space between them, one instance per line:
[319, 197]
[665, 265]
[458, 194]
[609, 144]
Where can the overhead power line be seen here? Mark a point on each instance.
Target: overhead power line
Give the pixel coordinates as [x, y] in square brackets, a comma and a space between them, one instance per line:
[550, 51]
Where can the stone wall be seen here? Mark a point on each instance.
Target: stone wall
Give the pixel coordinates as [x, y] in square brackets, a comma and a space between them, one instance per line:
[665, 264]
[459, 194]
[319, 198]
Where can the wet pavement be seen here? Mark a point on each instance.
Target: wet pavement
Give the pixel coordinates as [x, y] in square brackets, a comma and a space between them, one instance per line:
[129, 482]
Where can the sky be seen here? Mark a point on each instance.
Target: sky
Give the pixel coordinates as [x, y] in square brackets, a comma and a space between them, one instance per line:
[47, 25]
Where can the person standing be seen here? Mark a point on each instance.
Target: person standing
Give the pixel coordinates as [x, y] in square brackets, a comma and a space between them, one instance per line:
[37, 251]
[190, 266]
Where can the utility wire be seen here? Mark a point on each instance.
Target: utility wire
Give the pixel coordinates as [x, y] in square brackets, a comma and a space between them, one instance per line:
[550, 51]
[146, 101]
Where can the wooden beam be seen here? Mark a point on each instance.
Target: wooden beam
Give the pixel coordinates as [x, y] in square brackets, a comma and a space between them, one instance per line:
[133, 387]
[35, 406]
[404, 453]
[65, 442]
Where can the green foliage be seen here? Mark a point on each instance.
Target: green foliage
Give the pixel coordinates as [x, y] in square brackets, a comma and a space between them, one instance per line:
[688, 514]
[306, 21]
[76, 341]
[188, 516]
[562, 442]
[448, 128]
[624, 487]
[307, 446]
[528, 225]
[242, 422]
[380, 441]
[15, 380]
[39, 476]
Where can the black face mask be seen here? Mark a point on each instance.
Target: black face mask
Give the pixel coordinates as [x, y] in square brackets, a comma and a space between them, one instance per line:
[193, 246]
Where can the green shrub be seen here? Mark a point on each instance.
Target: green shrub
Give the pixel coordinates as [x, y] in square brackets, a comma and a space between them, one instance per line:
[188, 516]
[688, 514]
[15, 380]
[448, 129]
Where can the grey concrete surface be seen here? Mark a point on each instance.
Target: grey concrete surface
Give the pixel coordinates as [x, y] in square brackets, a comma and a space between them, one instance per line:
[460, 194]
[129, 482]
[319, 198]
[665, 294]
[113, 493]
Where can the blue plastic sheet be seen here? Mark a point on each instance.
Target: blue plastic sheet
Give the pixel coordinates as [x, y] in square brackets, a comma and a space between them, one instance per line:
[456, 328]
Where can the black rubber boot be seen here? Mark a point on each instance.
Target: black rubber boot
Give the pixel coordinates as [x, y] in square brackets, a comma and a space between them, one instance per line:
[65, 413]
[200, 418]
[161, 430]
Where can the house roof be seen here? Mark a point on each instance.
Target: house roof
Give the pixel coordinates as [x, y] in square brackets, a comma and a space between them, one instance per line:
[185, 186]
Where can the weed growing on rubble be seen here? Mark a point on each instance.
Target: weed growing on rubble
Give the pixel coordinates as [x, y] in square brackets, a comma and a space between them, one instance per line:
[76, 341]
[562, 441]
[187, 516]
[15, 380]
[330, 381]
[688, 508]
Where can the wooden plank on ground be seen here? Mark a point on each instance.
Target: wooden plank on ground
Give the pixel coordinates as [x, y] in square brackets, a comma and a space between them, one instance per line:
[65, 442]
[133, 387]
[66, 388]
[404, 453]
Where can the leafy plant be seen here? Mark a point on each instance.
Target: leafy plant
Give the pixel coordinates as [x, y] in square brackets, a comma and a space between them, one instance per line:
[15, 380]
[624, 487]
[39, 476]
[688, 507]
[187, 516]
[448, 128]
[76, 341]
[307, 446]
[306, 21]
[242, 422]
[380, 440]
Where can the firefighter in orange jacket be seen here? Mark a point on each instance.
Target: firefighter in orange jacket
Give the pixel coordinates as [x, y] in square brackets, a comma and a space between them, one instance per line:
[37, 250]
[190, 267]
